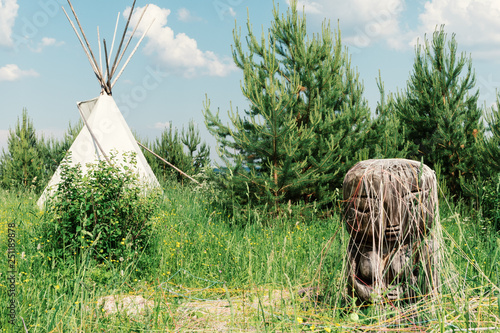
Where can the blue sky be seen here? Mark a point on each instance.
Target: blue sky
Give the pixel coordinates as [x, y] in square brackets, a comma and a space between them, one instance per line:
[187, 54]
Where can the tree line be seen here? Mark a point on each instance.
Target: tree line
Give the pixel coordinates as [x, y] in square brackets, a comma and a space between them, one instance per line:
[30, 159]
[308, 122]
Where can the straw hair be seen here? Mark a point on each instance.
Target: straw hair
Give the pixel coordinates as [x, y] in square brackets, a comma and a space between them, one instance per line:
[391, 213]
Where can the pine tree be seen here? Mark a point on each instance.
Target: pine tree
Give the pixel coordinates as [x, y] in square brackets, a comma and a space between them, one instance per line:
[490, 198]
[53, 150]
[192, 141]
[440, 113]
[387, 136]
[307, 122]
[21, 165]
[171, 146]
[491, 154]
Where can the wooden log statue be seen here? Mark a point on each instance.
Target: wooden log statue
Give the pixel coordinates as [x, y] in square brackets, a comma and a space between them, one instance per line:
[390, 209]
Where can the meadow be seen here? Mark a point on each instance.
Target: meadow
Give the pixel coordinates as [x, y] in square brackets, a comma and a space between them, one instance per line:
[204, 271]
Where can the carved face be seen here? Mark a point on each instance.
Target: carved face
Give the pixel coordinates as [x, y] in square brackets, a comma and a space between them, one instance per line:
[387, 214]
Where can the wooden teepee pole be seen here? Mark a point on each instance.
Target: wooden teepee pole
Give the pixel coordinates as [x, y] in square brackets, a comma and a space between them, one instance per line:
[108, 89]
[130, 56]
[96, 70]
[129, 39]
[123, 38]
[168, 163]
[114, 35]
[100, 52]
[107, 66]
[94, 137]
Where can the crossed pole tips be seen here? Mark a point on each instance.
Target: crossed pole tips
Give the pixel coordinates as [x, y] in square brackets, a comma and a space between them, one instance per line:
[107, 79]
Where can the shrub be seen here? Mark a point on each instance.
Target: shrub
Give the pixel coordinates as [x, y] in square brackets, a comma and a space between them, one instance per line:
[104, 211]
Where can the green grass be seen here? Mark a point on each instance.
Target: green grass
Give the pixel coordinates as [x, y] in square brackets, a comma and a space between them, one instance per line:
[203, 272]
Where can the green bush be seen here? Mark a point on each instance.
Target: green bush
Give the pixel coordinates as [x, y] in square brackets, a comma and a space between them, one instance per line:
[104, 211]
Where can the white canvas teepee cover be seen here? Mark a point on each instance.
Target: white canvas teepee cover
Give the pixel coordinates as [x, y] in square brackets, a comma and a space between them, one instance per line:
[112, 134]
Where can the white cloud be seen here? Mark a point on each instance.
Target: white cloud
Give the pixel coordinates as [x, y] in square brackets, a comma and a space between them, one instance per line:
[8, 14]
[309, 6]
[12, 72]
[475, 23]
[362, 22]
[46, 41]
[185, 15]
[223, 9]
[161, 126]
[177, 52]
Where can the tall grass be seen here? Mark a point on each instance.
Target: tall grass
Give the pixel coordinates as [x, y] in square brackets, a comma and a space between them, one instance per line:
[206, 273]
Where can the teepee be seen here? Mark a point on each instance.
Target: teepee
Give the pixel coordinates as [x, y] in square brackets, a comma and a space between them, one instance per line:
[105, 131]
